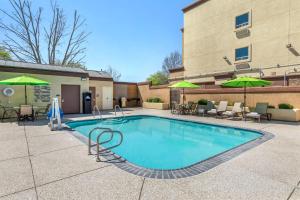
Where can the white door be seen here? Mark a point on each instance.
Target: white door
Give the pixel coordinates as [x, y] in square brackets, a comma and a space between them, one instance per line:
[107, 98]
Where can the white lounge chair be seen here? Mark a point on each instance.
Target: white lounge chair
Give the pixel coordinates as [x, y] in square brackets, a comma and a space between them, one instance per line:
[236, 110]
[220, 109]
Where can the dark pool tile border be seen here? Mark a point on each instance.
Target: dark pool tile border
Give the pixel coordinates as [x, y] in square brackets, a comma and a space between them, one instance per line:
[189, 171]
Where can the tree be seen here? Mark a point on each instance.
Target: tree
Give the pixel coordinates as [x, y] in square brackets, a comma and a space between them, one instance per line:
[113, 73]
[158, 78]
[23, 35]
[4, 55]
[174, 60]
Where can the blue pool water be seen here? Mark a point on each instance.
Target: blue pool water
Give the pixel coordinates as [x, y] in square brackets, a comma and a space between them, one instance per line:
[162, 143]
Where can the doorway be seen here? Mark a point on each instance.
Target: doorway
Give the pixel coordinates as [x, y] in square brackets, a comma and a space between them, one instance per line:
[70, 99]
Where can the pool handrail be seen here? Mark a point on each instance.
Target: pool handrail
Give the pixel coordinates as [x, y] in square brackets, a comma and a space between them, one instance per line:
[90, 145]
[117, 106]
[96, 108]
[108, 148]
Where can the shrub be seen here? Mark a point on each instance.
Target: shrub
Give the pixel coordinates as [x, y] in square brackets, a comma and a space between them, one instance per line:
[202, 102]
[154, 100]
[285, 106]
[271, 106]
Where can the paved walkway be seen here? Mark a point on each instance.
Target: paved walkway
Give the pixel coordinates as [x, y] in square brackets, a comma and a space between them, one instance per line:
[36, 163]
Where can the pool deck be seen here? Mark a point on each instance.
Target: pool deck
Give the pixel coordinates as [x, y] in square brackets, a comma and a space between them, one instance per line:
[36, 163]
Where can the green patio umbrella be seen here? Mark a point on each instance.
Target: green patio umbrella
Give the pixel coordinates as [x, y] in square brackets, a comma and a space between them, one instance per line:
[23, 80]
[184, 84]
[244, 82]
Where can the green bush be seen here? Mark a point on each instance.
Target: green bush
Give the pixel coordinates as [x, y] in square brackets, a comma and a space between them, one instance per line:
[271, 106]
[202, 102]
[285, 106]
[154, 100]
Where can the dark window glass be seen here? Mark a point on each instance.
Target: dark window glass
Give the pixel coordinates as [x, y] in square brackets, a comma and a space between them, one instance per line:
[242, 20]
[242, 53]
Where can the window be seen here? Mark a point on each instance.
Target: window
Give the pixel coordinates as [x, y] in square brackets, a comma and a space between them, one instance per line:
[242, 20]
[242, 54]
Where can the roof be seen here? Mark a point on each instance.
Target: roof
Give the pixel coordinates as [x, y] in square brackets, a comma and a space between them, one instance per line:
[98, 74]
[193, 5]
[25, 67]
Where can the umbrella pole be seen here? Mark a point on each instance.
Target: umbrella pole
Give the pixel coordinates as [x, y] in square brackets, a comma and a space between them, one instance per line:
[244, 102]
[183, 96]
[25, 95]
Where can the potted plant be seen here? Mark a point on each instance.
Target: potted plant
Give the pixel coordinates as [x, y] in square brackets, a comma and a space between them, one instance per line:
[202, 105]
[155, 103]
[284, 112]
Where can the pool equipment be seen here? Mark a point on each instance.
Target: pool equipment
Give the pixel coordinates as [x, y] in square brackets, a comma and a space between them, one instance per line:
[55, 115]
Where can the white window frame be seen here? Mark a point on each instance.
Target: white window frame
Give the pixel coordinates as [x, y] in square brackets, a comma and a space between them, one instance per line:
[245, 58]
[247, 25]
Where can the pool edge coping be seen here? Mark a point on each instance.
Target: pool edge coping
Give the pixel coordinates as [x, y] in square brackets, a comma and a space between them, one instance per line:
[184, 172]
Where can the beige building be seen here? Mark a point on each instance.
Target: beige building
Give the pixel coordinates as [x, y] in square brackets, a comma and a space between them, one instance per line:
[227, 38]
[66, 82]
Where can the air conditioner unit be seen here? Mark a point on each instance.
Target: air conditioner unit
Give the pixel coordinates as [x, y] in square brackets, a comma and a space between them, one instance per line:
[242, 66]
[242, 32]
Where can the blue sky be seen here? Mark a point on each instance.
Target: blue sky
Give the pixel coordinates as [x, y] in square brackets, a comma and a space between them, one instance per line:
[132, 36]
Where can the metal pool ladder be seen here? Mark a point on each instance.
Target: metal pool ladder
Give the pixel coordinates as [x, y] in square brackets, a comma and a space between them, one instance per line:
[101, 132]
[117, 106]
[96, 108]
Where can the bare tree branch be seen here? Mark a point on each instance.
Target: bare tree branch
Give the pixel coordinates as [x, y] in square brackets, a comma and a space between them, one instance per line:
[75, 40]
[23, 34]
[174, 60]
[113, 73]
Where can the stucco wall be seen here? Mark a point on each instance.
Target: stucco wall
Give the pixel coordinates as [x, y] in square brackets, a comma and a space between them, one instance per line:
[272, 95]
[146, 91]
[252, 98]
[209, 35]
[98, 86]
[55, 85]
[128, 90]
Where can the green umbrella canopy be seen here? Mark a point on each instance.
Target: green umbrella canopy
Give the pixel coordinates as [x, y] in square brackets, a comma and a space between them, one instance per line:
[23, 80]
[184, 84]
[246, 82]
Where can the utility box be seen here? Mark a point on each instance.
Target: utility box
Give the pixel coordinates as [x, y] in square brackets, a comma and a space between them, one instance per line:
[123, 102]
[87, 102]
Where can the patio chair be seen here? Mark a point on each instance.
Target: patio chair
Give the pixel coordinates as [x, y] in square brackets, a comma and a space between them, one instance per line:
[7, 111]
[235, 112]
[42, 111]
[220, 109]
[260, 111]
[26, 112]
[193, 108]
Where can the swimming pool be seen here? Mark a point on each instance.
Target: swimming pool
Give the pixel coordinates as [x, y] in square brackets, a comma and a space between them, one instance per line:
[167, 144]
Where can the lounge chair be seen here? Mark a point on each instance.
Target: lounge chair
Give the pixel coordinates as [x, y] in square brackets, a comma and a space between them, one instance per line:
[26, 112]
[220, 109]
[260, 111]
[235, 112]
